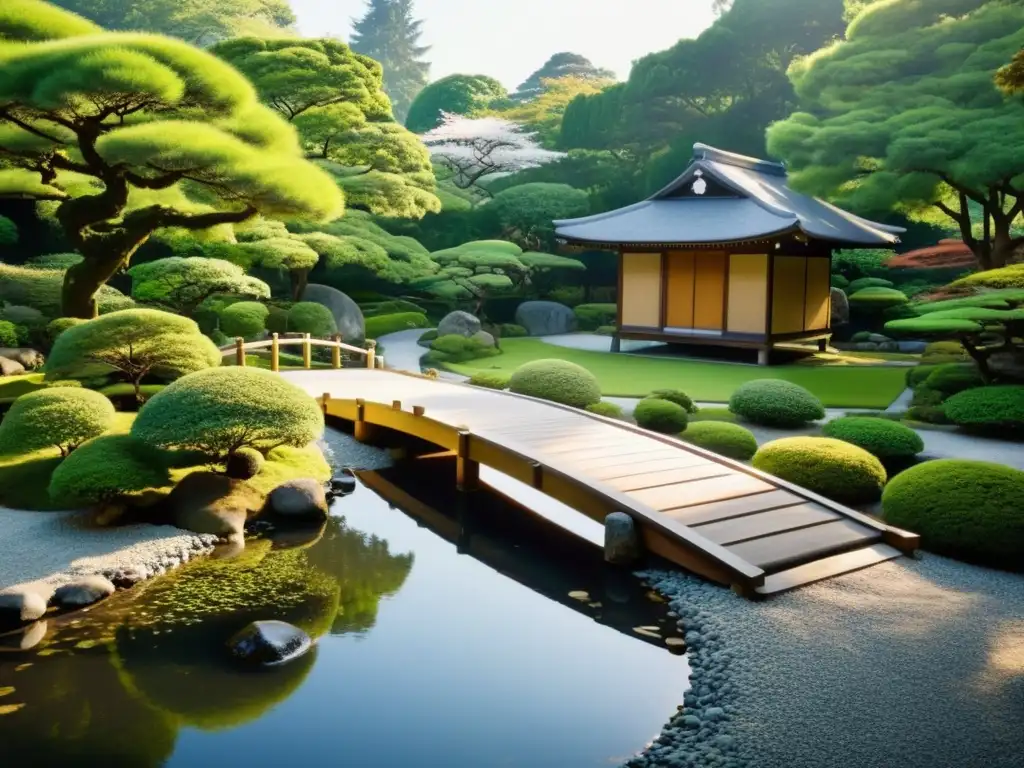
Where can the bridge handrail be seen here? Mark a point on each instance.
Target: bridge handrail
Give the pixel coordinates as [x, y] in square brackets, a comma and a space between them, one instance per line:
[275, 342]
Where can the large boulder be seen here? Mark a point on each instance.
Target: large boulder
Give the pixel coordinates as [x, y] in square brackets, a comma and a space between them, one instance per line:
[347, 314]
[28, 357]
[10, 367]
[270, 643]
[545, 318]
[459, 324]
[205, 502]
[840, 308]
[484, 338]
[301, 499]
[912, 347]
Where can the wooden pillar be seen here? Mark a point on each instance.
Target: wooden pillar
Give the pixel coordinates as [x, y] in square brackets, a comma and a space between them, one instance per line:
[467, 471]
[307, 352]
[823, 345]
[336, 352]
[371, 353]
[763, 355]
[240, 352]
[275, 353]
[362, 429]
[325, 400]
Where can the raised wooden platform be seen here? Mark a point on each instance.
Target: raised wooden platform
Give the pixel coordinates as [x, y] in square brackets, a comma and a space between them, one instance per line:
[713, 516]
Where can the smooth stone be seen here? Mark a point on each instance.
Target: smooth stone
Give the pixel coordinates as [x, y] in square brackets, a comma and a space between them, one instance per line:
[10, 367]
[714, 714]
[888, 346]
[484, 338]
[83, 591]
[347, 314]
[209, 503]
[621, 539]
[270, 643]
[877, 338]
[21, 605]
[302, 499]
[545, 318]
[459, 323]
[912, 347]
[343, 484]
[25, 640]
[29, 358]
[840, 307]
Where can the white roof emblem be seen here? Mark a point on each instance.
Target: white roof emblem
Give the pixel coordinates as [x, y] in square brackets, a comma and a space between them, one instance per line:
[699, 186]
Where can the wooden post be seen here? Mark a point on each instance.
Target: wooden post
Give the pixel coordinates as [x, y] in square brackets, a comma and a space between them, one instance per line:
[396, 405]
[418, 410]
[307, 352]
[240, 351]
[362, 429]
[275, 353]
[336, 352]
[823, 345]
[371, 353]
[467, 471]
[325, 400]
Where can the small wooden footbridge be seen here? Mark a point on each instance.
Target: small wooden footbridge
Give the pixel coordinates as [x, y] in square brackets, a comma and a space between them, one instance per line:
[713, 516]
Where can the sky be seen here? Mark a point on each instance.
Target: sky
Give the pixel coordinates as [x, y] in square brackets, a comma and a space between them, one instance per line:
[511, 39]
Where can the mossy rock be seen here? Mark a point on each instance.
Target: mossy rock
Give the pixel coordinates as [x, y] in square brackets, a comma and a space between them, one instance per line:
[662, 416]
[730, 440]
[775, 403]
[832, 468]
[969, 510]
[879, 437]
[558, 381]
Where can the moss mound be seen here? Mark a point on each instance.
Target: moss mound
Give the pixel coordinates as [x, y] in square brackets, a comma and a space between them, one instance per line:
[558, 381]
[459, 349]
[730, 440]
[64, 417]
[382, 325]
[490, 380]
[104, 469]
[953, 378]
[611, 410]
[993, 411]
[775, 403]
[245, 463]
[833, 468]
[879, 437]
[676, 396]
[965, 509]
[661, 416]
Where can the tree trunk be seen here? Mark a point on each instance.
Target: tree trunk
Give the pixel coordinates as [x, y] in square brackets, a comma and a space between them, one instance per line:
[980, 356]
[300, 280]
[83, 281]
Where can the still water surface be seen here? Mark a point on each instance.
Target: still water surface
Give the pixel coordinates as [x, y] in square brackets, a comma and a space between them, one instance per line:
[426, 657]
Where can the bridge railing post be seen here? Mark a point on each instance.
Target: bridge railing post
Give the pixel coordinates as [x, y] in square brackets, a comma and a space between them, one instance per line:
[307, 352]
[336, 351]
[467, 471]
[361, 428]
[371, 354]
[240, 351]
[275, 353]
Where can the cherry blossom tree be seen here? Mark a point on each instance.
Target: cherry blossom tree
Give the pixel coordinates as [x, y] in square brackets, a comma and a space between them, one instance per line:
[474, 149]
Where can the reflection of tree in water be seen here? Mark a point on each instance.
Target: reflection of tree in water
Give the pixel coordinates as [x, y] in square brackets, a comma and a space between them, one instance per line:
[366, 572]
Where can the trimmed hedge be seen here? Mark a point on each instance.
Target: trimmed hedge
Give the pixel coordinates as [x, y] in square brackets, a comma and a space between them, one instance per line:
[775, 403]
[675, 396]
[312, 318]
[953, 378]
[994, 411]
[832, 468]
[64, 417]
[970, 510]
[56, 327]
[459, 349]
[590, 317]
[713, 414]
[219, 410]
[558, 381]
[427, 338]
[839, 281]
[244, 318]
[918, 375]
[402, 321]
[662, 416]
[879, 437]
[876, 299]
[490, 380]
[928, 414]
[730, 440]
[604, 408]
[244, 464]
[939, 352]
[927, 397]
[277, 320]
[104, 469]
[8, 334]
[868, 282]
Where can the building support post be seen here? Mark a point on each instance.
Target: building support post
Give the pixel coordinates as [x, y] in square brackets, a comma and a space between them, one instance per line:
[240, 352]
[467, 471]
[763, 355]
[823, 345]
[275, 353]
[616, 343]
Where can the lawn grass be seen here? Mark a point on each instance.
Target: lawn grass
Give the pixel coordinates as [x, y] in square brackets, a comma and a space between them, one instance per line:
[847, 386]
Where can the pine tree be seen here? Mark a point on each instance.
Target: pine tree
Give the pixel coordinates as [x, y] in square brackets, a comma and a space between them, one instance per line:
[388, 33]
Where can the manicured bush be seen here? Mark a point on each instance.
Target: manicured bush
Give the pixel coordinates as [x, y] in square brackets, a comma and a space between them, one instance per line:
[312, 318]
[926, 396]
[458, 349]
[41, 289]
[868, 282]
[713, 414]
[244, 464]
[277, 320]
[994, 411]
[220, 410]
[8, 334]
[928, 414]
[56, 327]
[833, 468]
[104, 469]
[660, 416]
[838, 281]
[403, 321]
[606, 330]
[860, 336]
[953, 378]
[970, 510]
[391, 307]
[879, 437]
[939, 352]
[64, 417]
[675, 396]
[590, 317]
[604, 408]
[247, 319]
[775, 403]
[557, 380]
[876, 299]
[426, 339]
[918, 375]
[490, 380]
[513, 331]
[730, 440]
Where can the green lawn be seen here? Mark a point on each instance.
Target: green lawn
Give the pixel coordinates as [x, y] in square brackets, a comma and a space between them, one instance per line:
[13, 387]
[847, 386]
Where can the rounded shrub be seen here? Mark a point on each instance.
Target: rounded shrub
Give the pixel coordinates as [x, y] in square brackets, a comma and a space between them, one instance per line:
[928, 414]
[994, 411]
[557, 380]
[590, 317]
[868, 282]
[245, 463]
[513, 331]
[490, 380]
[64, 417]
[918, 375]
[56, 327]
[660, 416]
[8, 334]
[833, 468]
[876, 299]
[775, 403]
[245, 319]
[965, 509]
[277, 320]
[220, 410]
[106, 468]
[401, 321]
[427, 337]
[721, 437]
[839, 281]
[926, 396]
[459, 349]
[604, 408]
[953, 378]
[879, 437]
[312, 318]
[675, 396]
[939, 352]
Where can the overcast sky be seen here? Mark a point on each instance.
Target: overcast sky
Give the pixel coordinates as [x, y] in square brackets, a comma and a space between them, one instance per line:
[510, 39]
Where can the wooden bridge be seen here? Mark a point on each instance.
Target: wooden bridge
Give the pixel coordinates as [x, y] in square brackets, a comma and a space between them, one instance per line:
[713, 516]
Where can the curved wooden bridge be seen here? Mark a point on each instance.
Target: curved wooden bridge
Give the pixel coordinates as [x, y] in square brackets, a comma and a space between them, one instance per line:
[713, 516]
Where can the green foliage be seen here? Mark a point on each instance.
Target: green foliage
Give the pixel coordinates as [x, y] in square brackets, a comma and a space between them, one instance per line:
[104, 469]
[490, 380]
[64, 417]
[277, 320]
[590, 317]
[315, 319]
[995, 411]
[184, 283]
[676, 396]
[833, 468]
[969, 510]
[1006, 278]
[952, 378]
[390, 307]
[928, 414]
[557, 380]
[838, 281]
[775, 403]
[467, 95]
[869, 282]
[8, 334]
[730, 440]
[660, 416]
[8, 232]
[56, 327]
[402, 321]
[40, 288]
[559, 66]
[513, 331]
[939, 352]
[220, 410]
[33, 20]
[609, 410]
[61, 261]
[526, 212]
[879, 437]
[247, 319]
[244, 464]
[713, 414]
[427, 337]
[925, 396]
[458, 349]
[877, 299]
[544, 114]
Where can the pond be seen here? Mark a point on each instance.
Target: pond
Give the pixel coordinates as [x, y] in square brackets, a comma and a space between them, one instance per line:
[476, 637]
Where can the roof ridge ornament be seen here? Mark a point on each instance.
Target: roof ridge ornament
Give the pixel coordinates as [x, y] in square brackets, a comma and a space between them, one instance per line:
[699, 185]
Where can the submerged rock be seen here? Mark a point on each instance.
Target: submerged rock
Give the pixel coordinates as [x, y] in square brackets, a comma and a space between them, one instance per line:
[302, 499]
[270, 643]
[83, 591]
[25, 640]
[343, 484]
